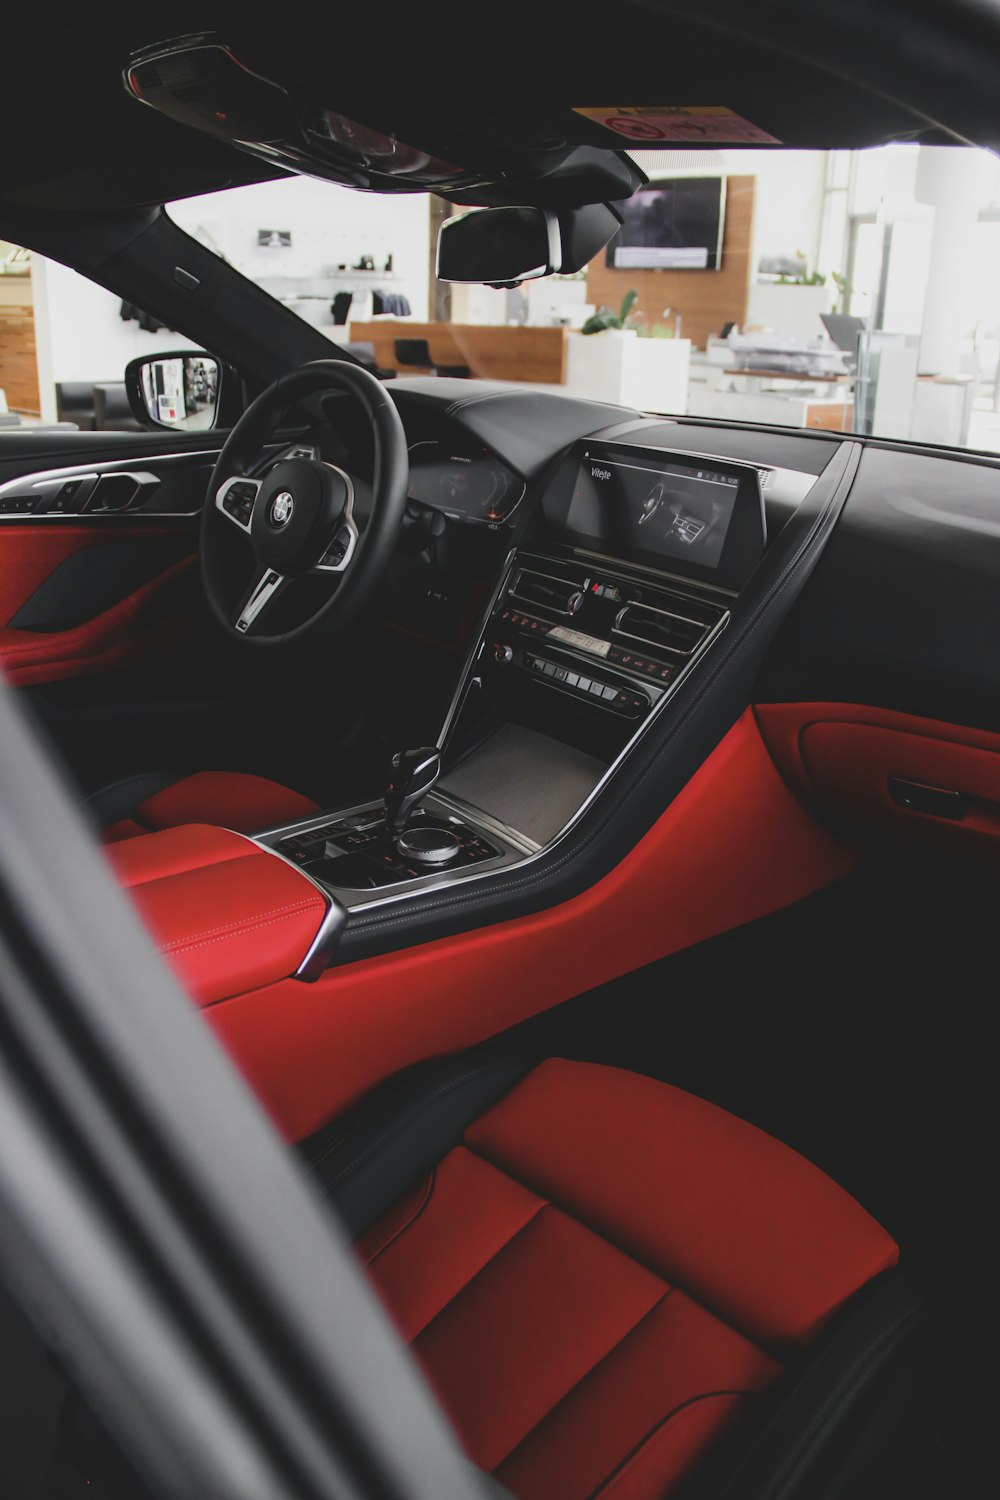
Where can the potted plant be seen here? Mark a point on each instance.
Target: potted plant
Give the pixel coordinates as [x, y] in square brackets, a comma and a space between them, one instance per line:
[606, 321]
[624, 367]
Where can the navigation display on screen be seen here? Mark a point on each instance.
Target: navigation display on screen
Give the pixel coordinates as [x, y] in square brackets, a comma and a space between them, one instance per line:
[626, 506]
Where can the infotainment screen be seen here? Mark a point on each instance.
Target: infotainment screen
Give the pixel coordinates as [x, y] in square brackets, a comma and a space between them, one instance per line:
[701, 516]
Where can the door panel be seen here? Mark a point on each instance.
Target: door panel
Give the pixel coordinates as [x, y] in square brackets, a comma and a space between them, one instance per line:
[97, 542]
[148, 618]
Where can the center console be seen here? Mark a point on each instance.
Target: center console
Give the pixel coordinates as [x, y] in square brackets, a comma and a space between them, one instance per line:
[626, 577]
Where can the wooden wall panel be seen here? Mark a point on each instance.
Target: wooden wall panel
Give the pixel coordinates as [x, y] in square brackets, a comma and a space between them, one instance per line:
[492, 351]
[705, 299]
[18, 364]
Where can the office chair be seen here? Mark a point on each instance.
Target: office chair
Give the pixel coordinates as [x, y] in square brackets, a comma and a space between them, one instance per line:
[415, 354]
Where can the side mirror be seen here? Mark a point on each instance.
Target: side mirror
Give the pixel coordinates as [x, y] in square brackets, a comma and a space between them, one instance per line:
[177, 391]
[505, 246]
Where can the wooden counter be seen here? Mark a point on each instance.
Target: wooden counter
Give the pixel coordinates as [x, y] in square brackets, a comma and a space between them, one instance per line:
[18, 364]
[492, 352]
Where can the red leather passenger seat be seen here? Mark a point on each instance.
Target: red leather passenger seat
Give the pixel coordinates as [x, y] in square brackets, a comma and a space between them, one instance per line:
[604, 1274]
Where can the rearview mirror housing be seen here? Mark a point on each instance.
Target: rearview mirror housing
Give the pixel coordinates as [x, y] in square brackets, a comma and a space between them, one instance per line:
[502, 247]
[179, 390]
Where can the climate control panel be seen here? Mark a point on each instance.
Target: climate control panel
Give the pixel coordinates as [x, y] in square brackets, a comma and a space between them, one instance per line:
[611, 639]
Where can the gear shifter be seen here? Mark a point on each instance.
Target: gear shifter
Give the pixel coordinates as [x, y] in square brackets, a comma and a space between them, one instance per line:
[413, 774]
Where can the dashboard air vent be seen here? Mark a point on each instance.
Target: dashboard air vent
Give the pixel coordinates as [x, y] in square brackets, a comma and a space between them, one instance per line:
[560, 595]
[680, 633]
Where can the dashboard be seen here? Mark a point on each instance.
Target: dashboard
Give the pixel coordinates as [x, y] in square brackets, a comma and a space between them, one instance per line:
[908, 582]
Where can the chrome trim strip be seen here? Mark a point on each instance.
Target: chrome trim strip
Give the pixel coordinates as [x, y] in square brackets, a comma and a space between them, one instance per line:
[327, 937]
[540, 603]
[671, 614]
[267, 585]
[314, 961]
[24, 484]
[466, 676]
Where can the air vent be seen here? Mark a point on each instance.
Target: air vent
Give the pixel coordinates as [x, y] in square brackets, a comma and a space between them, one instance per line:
[560, 595]
[680, 633]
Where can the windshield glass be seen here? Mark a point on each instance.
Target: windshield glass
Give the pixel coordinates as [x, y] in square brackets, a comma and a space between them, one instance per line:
[845, 290]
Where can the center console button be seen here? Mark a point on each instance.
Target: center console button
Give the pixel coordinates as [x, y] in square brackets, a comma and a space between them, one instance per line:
[428, 846]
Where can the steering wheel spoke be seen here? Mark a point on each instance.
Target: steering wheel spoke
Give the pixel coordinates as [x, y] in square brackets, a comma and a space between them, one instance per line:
[340, 548]
[256, 600]
[236, 500]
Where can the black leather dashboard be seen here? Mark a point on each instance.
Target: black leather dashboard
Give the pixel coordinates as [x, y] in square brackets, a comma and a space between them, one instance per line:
[903, 611]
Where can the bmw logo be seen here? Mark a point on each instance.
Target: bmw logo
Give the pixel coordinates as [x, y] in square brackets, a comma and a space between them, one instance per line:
[281, 509]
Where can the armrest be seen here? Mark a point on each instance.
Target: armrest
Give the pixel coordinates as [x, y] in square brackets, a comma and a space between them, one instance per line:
[229, 916]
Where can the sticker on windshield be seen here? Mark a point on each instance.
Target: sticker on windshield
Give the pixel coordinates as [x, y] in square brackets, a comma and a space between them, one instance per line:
[711, 124]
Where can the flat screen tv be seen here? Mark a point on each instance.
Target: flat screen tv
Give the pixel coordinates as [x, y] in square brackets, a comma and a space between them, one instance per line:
[672, 224]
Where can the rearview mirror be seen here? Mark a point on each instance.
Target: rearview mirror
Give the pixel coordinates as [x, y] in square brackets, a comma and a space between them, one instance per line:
[177, 391]
[505, 246]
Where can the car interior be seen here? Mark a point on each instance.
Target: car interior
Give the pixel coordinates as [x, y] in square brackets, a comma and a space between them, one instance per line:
[577, 823]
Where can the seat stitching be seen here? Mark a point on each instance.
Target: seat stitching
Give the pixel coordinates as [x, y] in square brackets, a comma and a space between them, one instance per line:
[399, 1121]
[241, 922]
[223, 937]
[409, 1222]
[135, 880]
[610, 1481]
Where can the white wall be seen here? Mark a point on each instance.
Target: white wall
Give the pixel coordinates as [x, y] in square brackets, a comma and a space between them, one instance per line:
[79, 333]
[328, 225]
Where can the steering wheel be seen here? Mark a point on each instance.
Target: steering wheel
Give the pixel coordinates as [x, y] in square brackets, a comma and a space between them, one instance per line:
[302, 519]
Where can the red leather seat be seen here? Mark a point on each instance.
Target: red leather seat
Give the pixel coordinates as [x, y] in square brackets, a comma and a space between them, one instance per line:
[225, 799]
[603, 1274]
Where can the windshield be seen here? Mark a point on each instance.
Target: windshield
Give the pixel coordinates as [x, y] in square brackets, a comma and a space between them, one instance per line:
[846, 290]
[843, 290]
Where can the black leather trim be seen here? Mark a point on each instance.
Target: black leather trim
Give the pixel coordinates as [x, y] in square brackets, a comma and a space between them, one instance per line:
[120, 799]
[525, 426]
[659, 766]
[916, 557]
[369, 1157]
[93, 580]
[847, 1420]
